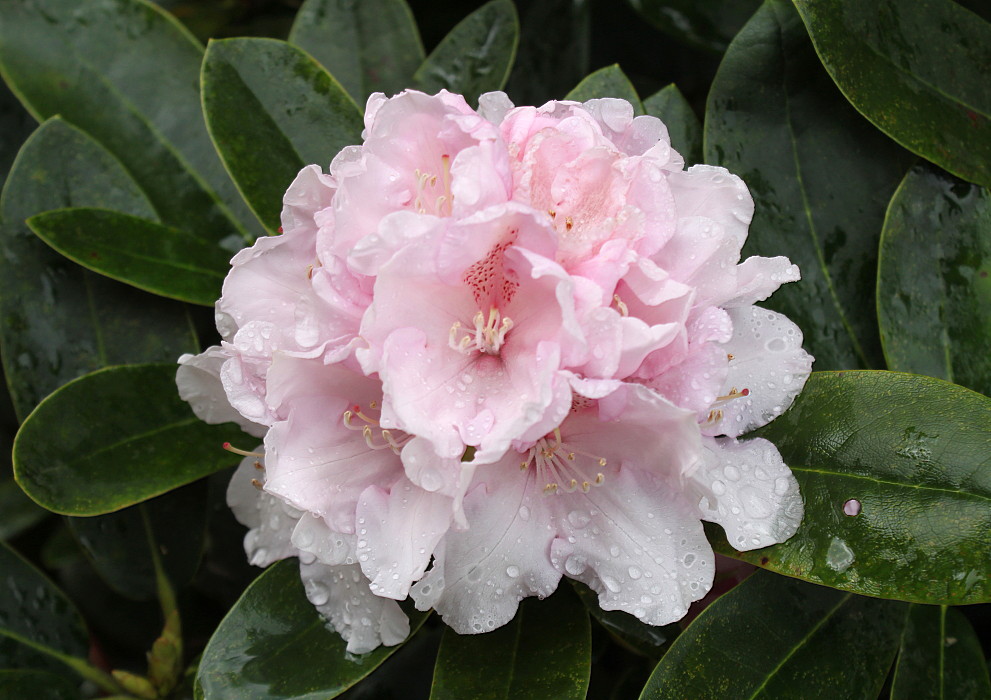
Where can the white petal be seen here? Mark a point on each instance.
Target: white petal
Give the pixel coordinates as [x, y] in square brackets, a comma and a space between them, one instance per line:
[638, 544]
[317, 542]
[198, 381]
[758, 278]
[747, 488]
[769, 362]
[494, 105]
[481, 574]
[270, 519]
[341, 596]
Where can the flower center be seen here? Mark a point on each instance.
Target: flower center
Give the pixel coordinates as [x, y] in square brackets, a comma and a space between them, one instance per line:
[559, 466]
[427, 190]
[490, 334]
[356, 419]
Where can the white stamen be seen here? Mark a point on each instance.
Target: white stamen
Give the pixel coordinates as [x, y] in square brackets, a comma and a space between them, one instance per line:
[558, 467]
[489, 336]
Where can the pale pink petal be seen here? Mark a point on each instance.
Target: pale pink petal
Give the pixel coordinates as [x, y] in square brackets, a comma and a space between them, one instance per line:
[714, 193]
[198, 381]
[758, 278]
[270, 521]
[494, 106]
[317, 542]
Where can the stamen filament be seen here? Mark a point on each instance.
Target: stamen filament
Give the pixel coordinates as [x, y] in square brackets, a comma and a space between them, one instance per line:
[244, 453]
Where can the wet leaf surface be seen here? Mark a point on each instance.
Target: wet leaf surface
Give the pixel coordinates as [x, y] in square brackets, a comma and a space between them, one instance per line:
[606, 82]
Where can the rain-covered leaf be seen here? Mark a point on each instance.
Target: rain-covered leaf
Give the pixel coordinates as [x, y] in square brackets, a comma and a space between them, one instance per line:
[159, 259]
[631, 633]
[708, 25]
[271, 109]
[369, 46]
[934, 293]
[37, 685]
[117, 544]
[684, 127]
[940, 657]
[895, 472]
[476, 56]
[58, 321]
[820, 175]
[545, 651]
[917, 70]
[274, 644]
[607, 82]
[113, 438]
[771, 637]
[19, 511]
[549, 63]
[126, 73]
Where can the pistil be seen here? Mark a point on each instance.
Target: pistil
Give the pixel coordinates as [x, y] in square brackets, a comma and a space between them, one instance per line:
[489, 336]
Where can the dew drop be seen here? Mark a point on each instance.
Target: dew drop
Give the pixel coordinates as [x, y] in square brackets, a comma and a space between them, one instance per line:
[512, 571]
[851, 507]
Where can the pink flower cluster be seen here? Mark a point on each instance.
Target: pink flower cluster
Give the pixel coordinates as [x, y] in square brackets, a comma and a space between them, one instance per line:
[493, 348]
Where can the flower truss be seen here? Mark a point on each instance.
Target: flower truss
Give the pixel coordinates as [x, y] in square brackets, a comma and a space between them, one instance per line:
[493, 348]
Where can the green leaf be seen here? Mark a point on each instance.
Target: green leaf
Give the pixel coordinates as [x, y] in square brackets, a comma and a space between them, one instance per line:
[917, 70]
[549, 63]
[914, 455]
[159, 259]
[476, 56]
[369, 46]
[271, 109]
[126, 73]
[40, 628]
[607, 82]
[638, 637]
[708, 25]
[934, 294]
[113, 438]
[543, 653]
[940, 657]
[117, 543]
[37, 685]
[20, 513]
[58, 321]
[684, 128]
[274, 644]
[771, 637]
[820, 176]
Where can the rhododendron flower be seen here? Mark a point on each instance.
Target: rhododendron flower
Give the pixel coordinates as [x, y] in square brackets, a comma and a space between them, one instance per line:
[495, 348]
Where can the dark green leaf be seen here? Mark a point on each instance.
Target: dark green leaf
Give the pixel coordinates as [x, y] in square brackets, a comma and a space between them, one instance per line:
[118, 543]
[58, 321]
[774, 638]
[708, 25]
[934, 294]
[544, 653]
[607, 82]
[549, 63]
[18, 511]
[37, 685]
[158, 259]
[271, 109]
[917, 70]
[913, 454]
[274, 644]
[39, 627]
[126, 73]
[369, 46]
[15, 126]
[476, 56]
[684, 128]
[646, 640]
[940, 657]
[820, 176]
[113, 438]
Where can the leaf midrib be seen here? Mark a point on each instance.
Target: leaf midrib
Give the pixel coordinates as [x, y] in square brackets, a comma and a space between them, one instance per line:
[887, 482]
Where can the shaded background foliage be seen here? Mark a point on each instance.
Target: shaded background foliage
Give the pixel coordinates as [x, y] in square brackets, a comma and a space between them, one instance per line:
[772, 635]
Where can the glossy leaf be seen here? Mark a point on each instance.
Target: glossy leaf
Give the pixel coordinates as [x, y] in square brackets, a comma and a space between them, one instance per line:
[820, 175]
[708, 25]
[271, 109]
[912, 456]
[15, 126]
[58, 321]
[684, 128]
[607, 82]
[40, 628]
[544, 652]
[274, 644]
[142, 253]
[19, 512]
[631, 633]
[113, 438]
[126, 73]
[368, 46]
[476, 56]
[117, 544]
[940, 657]
[917, 70]
[549, 63]
[771, 637]
[37, 685]
[934, 294]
